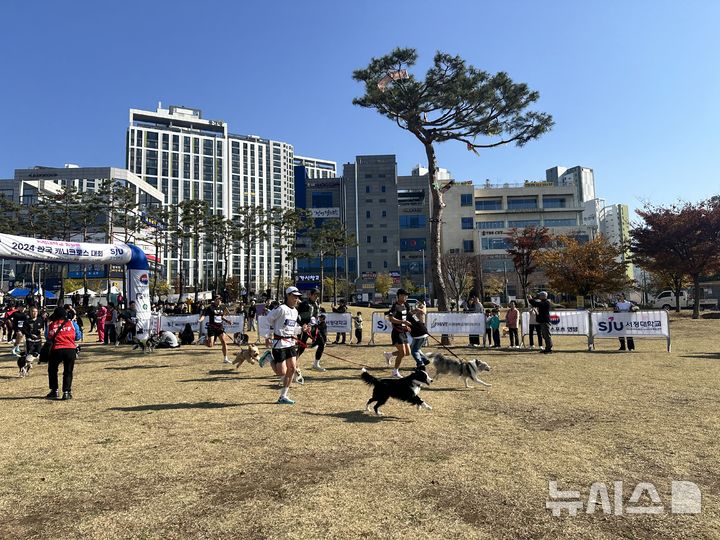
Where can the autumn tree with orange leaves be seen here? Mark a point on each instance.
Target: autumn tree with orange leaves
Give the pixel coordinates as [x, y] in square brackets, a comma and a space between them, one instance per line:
[525, 249]
[591, 269]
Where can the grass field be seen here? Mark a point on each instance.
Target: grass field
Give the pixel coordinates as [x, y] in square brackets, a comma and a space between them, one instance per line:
[178, 445]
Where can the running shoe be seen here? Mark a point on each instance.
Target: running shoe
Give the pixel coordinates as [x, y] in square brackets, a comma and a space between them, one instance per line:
[266, 356]
[285, 401]
[388, 357]
[396, 373]
[226, 360]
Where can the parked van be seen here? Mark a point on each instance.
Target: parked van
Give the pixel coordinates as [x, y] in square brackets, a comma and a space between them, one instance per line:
[666, 300]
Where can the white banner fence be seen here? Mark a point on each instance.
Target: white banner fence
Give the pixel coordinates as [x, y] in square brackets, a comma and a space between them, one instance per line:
[572, 322]
[437, 324]
[176, 323]
[635, 324]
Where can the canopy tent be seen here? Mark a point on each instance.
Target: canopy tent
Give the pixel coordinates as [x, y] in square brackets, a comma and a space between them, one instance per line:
[81, 292]
[20, 292]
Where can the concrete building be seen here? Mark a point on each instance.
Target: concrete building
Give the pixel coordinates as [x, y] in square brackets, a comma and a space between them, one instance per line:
[615, 226]
[477, 219]
[188, 157]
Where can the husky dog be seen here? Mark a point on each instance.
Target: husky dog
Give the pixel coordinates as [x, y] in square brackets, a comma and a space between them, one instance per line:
[251, 354]
[465, 370]
[145, 345]
[405, 389]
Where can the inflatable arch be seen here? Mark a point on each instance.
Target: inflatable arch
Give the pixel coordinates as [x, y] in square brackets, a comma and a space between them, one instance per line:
[58, 251]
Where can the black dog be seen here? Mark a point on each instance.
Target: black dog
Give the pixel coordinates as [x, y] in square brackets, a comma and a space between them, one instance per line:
[24, 363]
[187, 336]
[405, 389]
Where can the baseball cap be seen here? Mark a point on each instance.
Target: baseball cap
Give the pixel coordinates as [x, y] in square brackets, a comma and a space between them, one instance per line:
[542, 293]
[292, 290]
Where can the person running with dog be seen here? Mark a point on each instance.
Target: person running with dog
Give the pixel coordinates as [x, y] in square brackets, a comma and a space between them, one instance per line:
[308, 310]
[33, 332]
[19, 318]
[215, 327]
[285, 326]
[419, 334]
[397, 315]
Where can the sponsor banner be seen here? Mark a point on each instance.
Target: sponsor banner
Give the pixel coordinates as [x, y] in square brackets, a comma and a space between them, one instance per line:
[176, 323]
[636, 323]
[338, 322]
[562, 323]
[37, 249]
[139, 292]
[456, 323]
[155, 323]
[380, 325]
[237, 324]
[325, 212]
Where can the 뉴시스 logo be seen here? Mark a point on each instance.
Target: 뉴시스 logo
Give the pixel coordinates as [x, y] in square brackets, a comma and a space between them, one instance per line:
[144, 279]
[555, 319]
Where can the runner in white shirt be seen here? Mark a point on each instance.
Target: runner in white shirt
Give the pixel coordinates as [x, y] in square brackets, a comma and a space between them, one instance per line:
[285, 326]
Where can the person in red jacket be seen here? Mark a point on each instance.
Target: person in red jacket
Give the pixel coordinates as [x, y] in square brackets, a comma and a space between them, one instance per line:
[63, 333]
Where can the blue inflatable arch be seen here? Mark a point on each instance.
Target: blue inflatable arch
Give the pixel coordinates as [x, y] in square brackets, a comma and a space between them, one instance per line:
[58, 251]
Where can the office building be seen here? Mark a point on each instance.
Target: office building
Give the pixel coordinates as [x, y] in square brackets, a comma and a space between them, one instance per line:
[615, 226]
[188, 157]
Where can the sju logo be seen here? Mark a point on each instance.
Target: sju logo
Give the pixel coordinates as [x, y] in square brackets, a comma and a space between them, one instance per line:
[609, 326]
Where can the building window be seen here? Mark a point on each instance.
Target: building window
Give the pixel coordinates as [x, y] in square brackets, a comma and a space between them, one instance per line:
[495, 243]
[384, 264]
[384, 213]
[490, 225]
[468, 246]
[488, 204]
[554, 202]
[369, 264]
[413, 244]
[521, 203]
[466, 199]
[367, 214]
[384, 239]
[466, 223]
[382, 188]
[367, 189]
[321, 199]
[412, 222]
[572, 222]
[522, 223]
[369, 239]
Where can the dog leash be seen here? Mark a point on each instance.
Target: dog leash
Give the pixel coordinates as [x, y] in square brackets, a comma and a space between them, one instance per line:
[446, 348]
[304, 346]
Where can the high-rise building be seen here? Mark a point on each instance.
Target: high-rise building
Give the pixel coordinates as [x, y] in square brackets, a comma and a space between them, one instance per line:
[188, 157]
[582, 178]
[615, 226]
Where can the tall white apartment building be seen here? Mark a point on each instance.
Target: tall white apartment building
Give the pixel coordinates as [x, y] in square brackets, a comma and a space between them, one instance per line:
[188, 157]
[615, 226]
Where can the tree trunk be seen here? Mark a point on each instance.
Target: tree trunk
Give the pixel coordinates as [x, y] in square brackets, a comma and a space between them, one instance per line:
[436, 211]
[247, 268]
[696, 287]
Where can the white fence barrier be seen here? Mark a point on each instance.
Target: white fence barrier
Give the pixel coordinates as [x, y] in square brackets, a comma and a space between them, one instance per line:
[176, 323]
[456, 323]
[635, 324]
[380, 325]
[572, 322]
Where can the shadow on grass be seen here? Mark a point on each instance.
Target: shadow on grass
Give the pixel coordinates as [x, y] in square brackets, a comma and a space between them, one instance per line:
[180, 406]
[14, 398]
[213, 379]
[126, 368]
[705, 356]
[359, 417]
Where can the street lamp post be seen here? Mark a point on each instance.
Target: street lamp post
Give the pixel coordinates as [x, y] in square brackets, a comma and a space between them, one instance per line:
[425, 294]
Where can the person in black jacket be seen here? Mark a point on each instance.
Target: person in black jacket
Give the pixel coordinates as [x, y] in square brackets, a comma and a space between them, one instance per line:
[34, 329]
[319, 339]
[543, 318]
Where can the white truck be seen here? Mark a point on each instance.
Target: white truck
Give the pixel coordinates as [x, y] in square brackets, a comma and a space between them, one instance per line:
[666, 300]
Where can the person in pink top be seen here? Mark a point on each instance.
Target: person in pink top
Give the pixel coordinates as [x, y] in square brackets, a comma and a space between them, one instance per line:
[101, 313]
[511, 321]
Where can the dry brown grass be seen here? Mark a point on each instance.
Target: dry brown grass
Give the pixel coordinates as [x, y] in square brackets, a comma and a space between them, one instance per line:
[177, 445]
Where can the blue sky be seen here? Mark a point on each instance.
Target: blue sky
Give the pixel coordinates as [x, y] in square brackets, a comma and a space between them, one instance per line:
[633, 85]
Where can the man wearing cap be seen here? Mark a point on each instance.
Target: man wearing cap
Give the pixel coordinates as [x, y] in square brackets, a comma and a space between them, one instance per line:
[543, 318]
[398, 315]
[308, 310]
[285, 325]
[215, 326]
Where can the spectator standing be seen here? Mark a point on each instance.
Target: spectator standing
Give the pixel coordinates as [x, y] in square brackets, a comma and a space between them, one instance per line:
[534, 328]
[342, 308]
[625, 306]
[111, 320]
[543, 318]
[487, 338]
[494, 324]
[358, 326]
[100, 315]
[512, 318]
[319, 340]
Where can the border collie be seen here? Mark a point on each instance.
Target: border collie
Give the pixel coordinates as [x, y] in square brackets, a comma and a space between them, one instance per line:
[465, 370]
[24, 363]
[405, 389]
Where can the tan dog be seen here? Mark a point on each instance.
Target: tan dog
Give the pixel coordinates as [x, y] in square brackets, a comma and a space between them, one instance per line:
[251, 354]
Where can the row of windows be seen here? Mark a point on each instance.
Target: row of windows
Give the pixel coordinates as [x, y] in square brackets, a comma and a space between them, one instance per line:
[519, 223]
[515, 203]
[382, 189]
